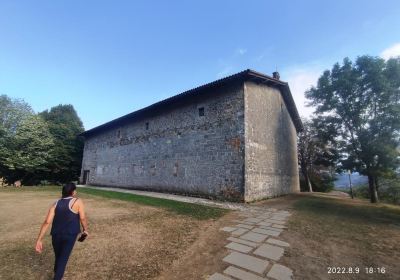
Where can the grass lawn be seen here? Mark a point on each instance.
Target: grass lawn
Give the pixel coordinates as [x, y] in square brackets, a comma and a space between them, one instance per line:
[200, 212]
[131, 236]
[337, 232]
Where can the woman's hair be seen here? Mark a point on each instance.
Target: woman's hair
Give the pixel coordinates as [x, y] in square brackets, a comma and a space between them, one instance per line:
[68, 189]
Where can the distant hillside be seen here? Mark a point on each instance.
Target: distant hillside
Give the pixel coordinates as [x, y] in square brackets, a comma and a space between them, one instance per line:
[342, 180]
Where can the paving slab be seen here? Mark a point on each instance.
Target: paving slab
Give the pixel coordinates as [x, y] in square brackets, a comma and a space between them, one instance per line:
[280, 215]
[241, 241]
[246, 223]
[228, 229]
[254, 237]
[239, 231]
[266, 231]
[263, 216]
[241, 274]
[284, 212]
[278, 226]
[247, 262]
[271, 228]
[278, 218]
[264, 223]
[244, 226]
[269, 251]
[253, 220]
[239, 247]
[277, 242]
[274, 222]
[219, 276]
[280, 272]
[237, 221]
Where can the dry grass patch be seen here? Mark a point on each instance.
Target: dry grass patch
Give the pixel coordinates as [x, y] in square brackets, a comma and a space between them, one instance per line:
[340, 232]
[127, 240]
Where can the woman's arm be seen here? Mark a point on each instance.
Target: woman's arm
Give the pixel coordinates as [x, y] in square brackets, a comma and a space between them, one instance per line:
[43, 229]
[82, 216]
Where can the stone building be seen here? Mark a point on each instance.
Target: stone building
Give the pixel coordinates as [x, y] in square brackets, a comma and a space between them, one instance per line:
[234, 138]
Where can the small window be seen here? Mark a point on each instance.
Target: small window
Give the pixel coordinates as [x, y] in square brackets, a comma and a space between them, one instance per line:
[119, 133]
[201, 112]
[147, 126]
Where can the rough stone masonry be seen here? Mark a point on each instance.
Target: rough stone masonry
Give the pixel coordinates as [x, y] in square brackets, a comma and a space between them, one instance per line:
[234, 139]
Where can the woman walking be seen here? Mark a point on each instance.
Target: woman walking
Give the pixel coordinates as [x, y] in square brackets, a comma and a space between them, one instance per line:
[66, 215]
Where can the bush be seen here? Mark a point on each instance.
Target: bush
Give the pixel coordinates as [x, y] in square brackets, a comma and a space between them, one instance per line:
[388, 191]
[321, 182]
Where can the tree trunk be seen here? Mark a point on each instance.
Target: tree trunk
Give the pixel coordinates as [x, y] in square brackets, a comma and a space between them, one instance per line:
[306, 177]
[372, 189]
[308, 182]
[376, 183]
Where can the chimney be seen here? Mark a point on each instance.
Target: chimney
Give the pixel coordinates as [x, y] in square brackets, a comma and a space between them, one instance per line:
[276, 75]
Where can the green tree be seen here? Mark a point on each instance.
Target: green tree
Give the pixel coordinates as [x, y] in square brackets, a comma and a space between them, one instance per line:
[361, 102]
[66, 158]
[317, 153]
[12, 113]
[30, 150]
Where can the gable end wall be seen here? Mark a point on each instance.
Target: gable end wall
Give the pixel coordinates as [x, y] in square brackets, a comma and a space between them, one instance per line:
[270, 144]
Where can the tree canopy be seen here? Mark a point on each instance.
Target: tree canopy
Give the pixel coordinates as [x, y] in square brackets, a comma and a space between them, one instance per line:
[65, 126]
[360, 103]
[35, 147]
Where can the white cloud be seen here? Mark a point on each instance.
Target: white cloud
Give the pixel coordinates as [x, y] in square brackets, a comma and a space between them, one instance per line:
[392, 51]
[300, 79]
[241, 51]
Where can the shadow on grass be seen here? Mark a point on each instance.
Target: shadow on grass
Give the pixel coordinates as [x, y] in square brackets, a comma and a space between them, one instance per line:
[356, 212]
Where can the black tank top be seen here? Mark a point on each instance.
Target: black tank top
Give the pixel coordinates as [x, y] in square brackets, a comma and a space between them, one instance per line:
[65, 221]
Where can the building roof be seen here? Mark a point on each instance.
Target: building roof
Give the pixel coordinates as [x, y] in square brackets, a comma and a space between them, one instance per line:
[245, 75]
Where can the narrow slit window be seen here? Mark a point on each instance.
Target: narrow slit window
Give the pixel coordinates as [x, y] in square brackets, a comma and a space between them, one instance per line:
[201, 112]
[147, 126]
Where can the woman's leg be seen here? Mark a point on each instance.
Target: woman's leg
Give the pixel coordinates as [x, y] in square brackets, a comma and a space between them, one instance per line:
[56, 247]
[67, 245]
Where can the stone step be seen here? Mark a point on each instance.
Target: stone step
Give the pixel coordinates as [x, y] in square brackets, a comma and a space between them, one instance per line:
[278, 226]
[244, 226]
[238, 247]
[254, 237]
[272, 222]
[219, 276]
[239, 231]
[271, 228]
[280, 272]
[277, 242]
[252, 220]
[269, 251]
[247, 262]
[241, 274]
[228, 229]
[241, 241]
[266, 231]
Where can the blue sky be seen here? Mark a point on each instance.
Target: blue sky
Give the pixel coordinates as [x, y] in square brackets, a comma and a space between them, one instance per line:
[109, 58]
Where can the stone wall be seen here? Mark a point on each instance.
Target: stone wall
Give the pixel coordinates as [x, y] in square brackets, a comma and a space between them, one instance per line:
[176, 150]
[271, 144]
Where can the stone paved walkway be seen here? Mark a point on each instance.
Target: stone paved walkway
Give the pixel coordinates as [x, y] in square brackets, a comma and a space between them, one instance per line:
[254, 246]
